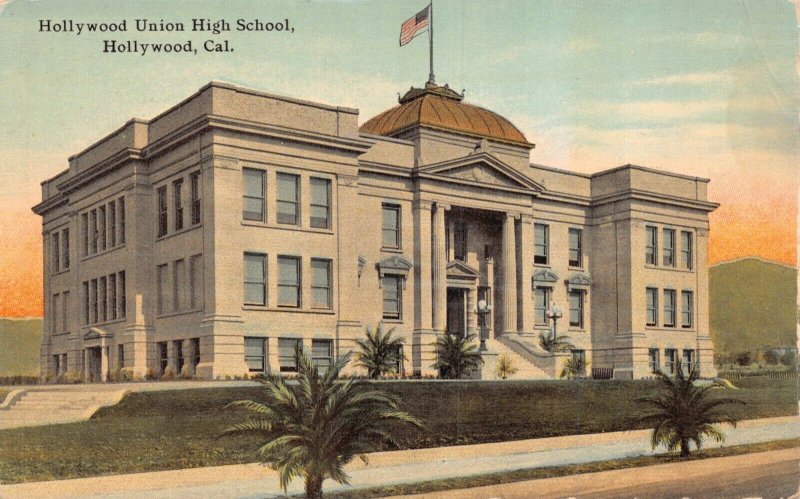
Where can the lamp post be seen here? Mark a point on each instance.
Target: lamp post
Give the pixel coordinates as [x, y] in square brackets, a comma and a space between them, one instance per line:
[483, 311]
[554, 312]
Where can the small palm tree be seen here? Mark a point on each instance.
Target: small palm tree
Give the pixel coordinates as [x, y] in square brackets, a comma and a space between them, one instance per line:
[315, 428]
[380, 352]
[574, 367]
[684, 412]
[505, 367]
[456, 355]
[555, 344]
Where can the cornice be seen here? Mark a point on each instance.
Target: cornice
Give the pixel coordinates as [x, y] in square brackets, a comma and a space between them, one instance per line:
[641, 195]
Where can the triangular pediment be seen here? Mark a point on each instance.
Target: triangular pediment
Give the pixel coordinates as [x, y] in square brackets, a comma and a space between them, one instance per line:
[95, 334]
[460, 270]
[483, 169]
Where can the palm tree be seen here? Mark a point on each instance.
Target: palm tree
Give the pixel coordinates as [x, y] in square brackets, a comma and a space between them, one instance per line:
[555, 344]
[684, 412]
[315, 428]
[573, 368]
[456, 355]
[505, 367]
[380, 352]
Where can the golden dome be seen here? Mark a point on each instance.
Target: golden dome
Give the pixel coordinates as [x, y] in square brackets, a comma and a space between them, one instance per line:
[441, 108]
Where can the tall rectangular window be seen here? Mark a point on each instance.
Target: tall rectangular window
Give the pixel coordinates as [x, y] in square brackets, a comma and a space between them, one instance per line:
[54, 308]
[651, 245]
[161, 285]
[576, 309]
[670, 360]
[101, 227]
[195, 353]
[288, 281]
[178, 288]
[177, 203]
[121, 356]
[121, 209]
[654, 361]
[195, 281]
[112, 224]
[254, 198]
[93, 231]
[65, 249]
[286, 353]
[163, 356]
[288, 199]
[194, 179]
[652, 306]
[94, 301]
[322, 354]
[162, 211]
[687, 307]
[255, 354]
[687, 363]
[86, 310]
[669, 308]
[56, 252]
[686, 250]
[112, 296]
[103, 305]
[390, 226]
[392, 297]
[255, 279]
[460, 241]
[541, 297]
[320, 203]
[669, 247]
[575, 248]
[320, 283]
[85, 233]
[65, 307]
[123, 304]
[541, 243]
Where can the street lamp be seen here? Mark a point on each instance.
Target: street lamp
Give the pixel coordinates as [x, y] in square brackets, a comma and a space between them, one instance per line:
[483, 312]
[554, 312]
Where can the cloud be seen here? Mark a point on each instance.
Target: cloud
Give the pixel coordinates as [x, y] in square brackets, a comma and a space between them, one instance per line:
[689, 79]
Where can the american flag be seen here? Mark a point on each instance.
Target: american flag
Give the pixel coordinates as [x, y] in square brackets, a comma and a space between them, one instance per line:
[414, 25]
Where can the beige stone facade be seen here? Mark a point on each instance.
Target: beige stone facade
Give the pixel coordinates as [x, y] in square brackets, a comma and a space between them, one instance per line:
[212, 238]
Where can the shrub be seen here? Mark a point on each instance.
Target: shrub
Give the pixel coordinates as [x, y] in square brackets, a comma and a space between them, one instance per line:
[505, 367]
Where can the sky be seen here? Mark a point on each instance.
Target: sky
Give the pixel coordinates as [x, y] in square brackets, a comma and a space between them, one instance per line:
[705, 88]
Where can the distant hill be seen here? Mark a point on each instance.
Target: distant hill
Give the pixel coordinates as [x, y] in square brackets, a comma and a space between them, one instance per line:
[753, 305]
[20, 340]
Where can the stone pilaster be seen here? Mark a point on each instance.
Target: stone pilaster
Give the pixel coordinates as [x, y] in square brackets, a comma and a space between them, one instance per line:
[439, 261]
[524, 266]
[509, 290]
[423, 351]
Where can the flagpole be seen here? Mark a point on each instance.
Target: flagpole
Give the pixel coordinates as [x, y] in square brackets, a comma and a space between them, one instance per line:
[431, 78]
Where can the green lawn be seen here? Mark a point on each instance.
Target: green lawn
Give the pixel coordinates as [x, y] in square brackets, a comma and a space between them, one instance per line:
[3, 394]
[175, 429]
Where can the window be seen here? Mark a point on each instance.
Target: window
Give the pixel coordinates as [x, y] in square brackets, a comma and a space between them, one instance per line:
[161, 284]
[178, 272]
[669, 308]
[322, 354]
[86, 313]
[85, 233]
[392, 297]
[541, 297]
[397, 351]
[54, 315]
[103, 299]
[195, 282]
[255, 354]
[163, 356]
[687, 307]
[112, 296]
[194, 180]
[288, 281]
[687, 363]
[576, 309]
[121, 356]
[177, 203]
[94, 301]
[320, 203]
[101, 227]
[122, 295]
[670, 359]
[112, 224]
[651, 249]
[288, 199]
[255, 279]
[254, 189]
[195, 353]
[654, 361]
[669, 247]
[162, 211]
[541, 244]
[93, 229]
[686, 250]
[56, 252]
[460, 241]
[652, 307]
[64, 309]
[286, 353]
[121, 209]
[390, 226]
[177, 347]
[320, 283]
[65, 249]
[575, 248]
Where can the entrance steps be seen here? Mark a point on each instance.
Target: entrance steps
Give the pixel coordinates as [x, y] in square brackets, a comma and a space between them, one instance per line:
[527, 369]
[55, 405]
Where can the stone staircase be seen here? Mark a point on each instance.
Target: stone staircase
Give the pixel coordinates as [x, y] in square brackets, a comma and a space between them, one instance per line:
[526, 368]
[55, 405]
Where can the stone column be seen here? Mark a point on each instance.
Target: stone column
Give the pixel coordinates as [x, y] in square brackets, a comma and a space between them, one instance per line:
[423, 351]
[524, 265]
[509, 274]
[439, 261]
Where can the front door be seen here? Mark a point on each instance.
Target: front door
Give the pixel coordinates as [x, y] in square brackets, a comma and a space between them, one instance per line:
[95, 364]
[456, 311]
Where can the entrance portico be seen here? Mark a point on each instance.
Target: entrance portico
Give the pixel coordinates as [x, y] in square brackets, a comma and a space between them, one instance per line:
[95, 355]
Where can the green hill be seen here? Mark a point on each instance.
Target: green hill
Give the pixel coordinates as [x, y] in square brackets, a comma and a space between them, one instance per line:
[20, 340]
[753, 305]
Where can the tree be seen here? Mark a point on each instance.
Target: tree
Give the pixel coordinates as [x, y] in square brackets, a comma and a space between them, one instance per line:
[315, 428]
[505, 367]
[379, 352]
[456, 355]
[683, 413]
[574, 367]
[789, 359]
[555, 345]
[771, 357]
[744, 359]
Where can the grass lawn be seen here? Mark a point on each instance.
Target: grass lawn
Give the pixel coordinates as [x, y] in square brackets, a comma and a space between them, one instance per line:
[3, 394]
[175, 429]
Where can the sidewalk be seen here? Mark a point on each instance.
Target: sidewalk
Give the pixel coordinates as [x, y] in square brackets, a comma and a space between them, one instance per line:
[411, 466]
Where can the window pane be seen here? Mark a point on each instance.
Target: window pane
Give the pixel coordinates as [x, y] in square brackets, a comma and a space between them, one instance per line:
[254, 268]
[319, 191]
[287, 268]
[576, 309]
[540, 246]
[253, 182]
[319, 272]
[255, 271]
[253, 209]
[321, 348]
[287, 187]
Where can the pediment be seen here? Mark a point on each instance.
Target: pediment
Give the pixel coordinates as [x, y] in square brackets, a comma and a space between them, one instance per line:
[394, 265]
[96, 334]
[457, 269]
[481, 169]
[579, 281]
[545, 275]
